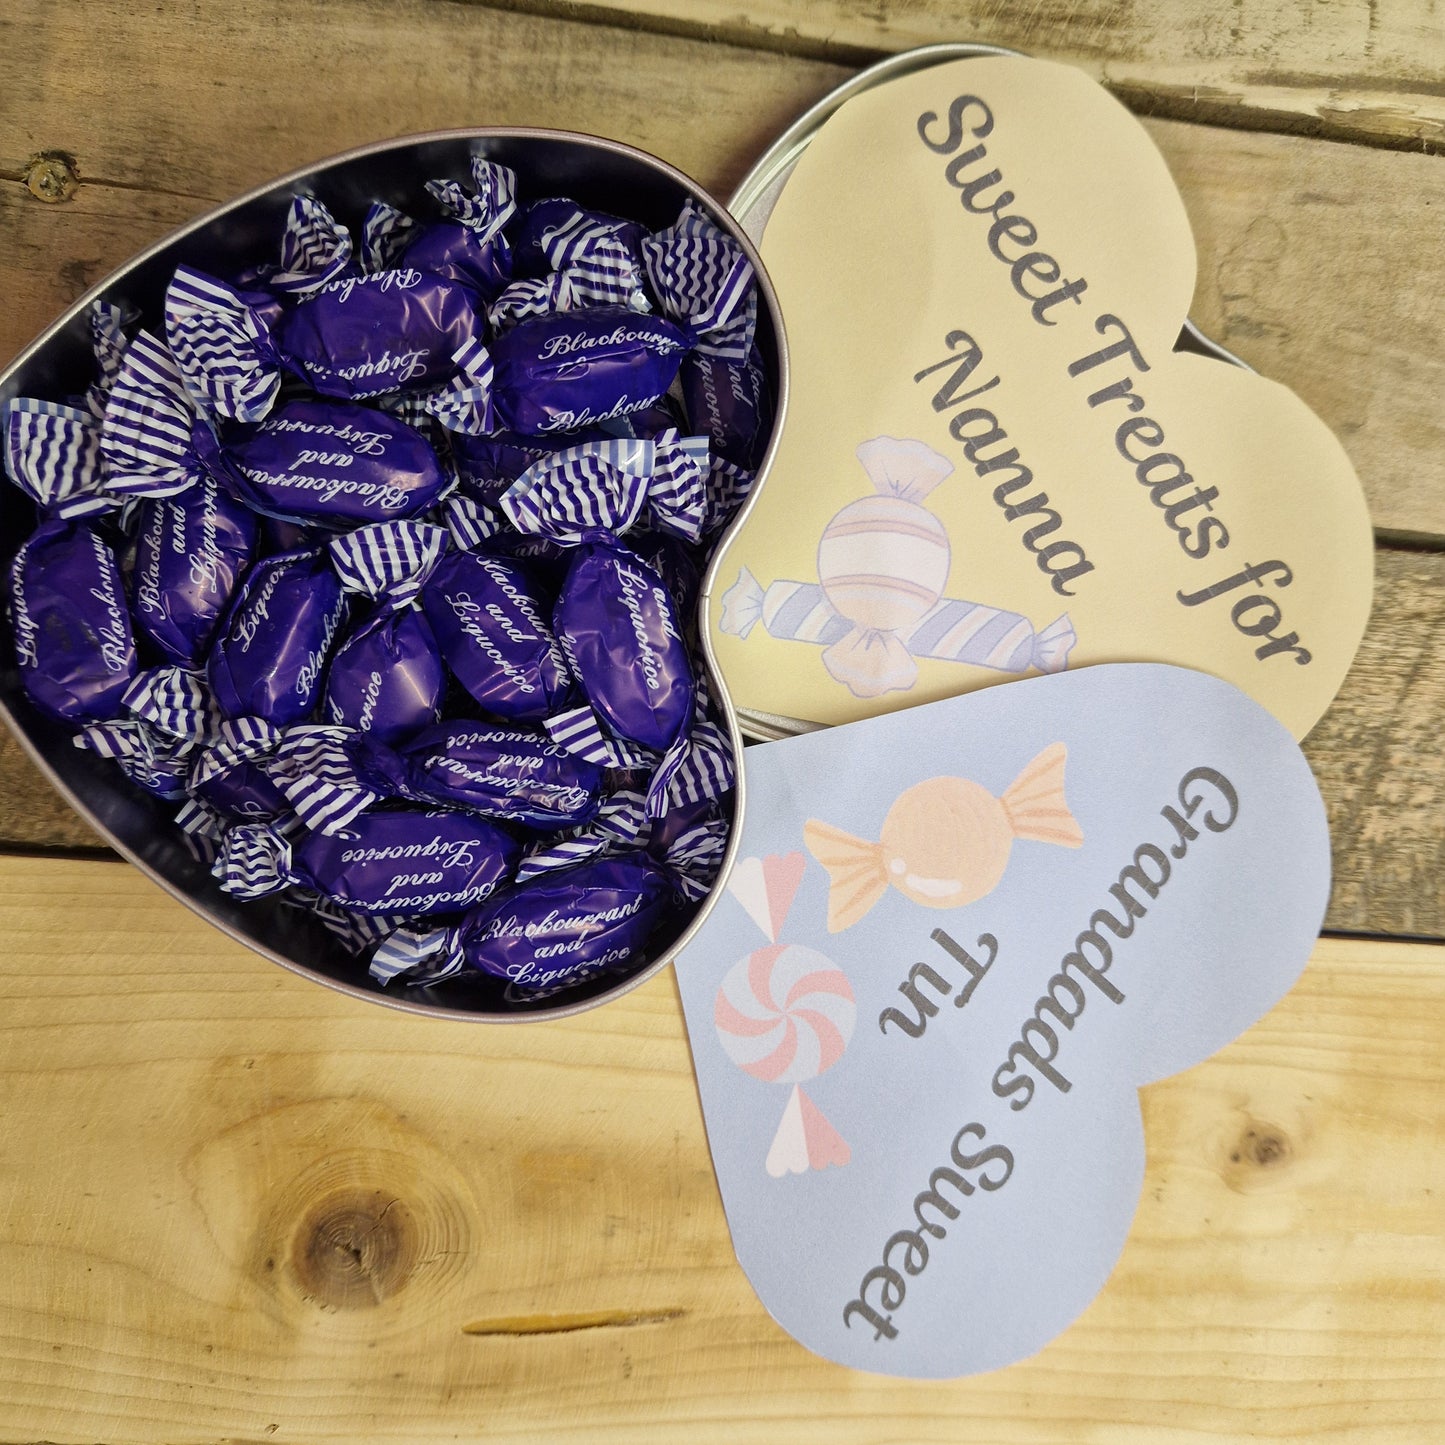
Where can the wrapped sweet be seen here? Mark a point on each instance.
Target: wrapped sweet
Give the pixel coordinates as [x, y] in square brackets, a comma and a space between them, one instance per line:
[491, 628]
[330, 774]
[394, 863]
[468, 245]
[557, 930]
[387, 676]
[270, 657]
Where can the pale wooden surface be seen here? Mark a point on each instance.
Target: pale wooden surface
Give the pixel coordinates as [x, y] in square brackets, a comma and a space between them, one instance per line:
[514, 1234]
[237, 1206]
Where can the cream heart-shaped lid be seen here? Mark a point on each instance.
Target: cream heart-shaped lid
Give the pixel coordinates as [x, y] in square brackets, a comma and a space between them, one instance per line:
[994, 461]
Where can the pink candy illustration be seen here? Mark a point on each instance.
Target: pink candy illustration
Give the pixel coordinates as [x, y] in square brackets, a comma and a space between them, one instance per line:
[784, 1014]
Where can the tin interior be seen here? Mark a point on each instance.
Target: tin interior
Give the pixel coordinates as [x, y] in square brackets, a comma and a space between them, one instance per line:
[601, 174]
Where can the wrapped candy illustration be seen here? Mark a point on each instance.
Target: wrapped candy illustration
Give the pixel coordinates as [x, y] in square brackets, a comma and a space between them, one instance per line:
[878, 604]
[944, 842]
[785, 1014]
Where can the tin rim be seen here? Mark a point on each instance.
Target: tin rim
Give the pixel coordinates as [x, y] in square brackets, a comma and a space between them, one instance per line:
[751, 204]
[301, 178]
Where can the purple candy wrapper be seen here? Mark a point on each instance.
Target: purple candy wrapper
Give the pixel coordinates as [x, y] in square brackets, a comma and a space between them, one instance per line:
[335, 463]
[544, 220]
[73, 636]
[387, 678]
[488, 465]
[727, 400]
[562, 372]
[271, 654]
[365, 335]
[191, 551]
[616, 623]
[554, 932]
[402, 862]
[231, 774]
[490, 626]
[510, 773]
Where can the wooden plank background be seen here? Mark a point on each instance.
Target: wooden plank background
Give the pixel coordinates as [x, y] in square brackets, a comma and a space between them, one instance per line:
[236, 1207]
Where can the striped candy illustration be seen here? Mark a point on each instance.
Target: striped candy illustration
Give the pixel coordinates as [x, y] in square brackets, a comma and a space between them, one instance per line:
[878, 604]
[784, 1015]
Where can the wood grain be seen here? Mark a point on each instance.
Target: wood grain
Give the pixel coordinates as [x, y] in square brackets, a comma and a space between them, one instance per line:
[1299, 241]
[234, 1205]
[1374, 752]
[1353, 71]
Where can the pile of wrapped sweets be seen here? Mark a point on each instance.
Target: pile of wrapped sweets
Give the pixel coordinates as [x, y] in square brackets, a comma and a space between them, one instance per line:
[383, 568]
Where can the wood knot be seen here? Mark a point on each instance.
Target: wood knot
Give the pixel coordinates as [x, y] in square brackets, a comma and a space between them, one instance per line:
[52, 176]
[354, 1249]
[1263, 1146]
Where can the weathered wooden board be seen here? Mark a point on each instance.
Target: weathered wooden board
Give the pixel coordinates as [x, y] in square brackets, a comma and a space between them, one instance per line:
[235, 1205]
[1365, 71]
[1300, 241]
[1375, 754]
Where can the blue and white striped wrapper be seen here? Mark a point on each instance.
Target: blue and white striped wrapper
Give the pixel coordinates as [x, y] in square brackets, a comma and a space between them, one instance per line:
[580, 731]
[174, 701]
[388, 561]
[424, 958]
[53, 454]
[471, 523]
[466, 403]
[591, 266]
[703, 279]
[108, 324]
[314, 771]
[704, 771]
[620, 824]
[492, 203]
[696, 855]
[236, 741]
[953, 630]
[147, 436]
[254, 861]
[315, 249]
[384, 236]
[598, 490]
[222, 348]
[151, 761]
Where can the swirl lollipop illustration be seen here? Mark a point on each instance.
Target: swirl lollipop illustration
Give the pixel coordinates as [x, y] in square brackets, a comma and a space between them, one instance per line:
[784, 1014]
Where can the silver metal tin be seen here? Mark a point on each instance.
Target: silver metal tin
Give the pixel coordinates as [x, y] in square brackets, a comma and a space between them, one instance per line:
[599, 173]
[752, 203]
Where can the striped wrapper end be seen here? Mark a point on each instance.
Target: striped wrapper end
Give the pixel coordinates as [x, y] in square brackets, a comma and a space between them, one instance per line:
[594, 490]
[357, 931]
[315, 249]
[315, 774]
[391, 558]
[173, 701]
[146, 435]
[465, 403]
[108, 340]
[237, 740]
[422, 958]
[580, 732]
[53, 454]
[702, 278]
[493, 204]
[222, 347]
[471, 523]
[157, 764]
[254, 861]
[384, 236]
[696, 857]
[620, 825]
